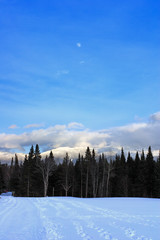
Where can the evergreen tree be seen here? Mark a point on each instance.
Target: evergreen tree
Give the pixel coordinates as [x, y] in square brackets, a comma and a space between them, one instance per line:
[142, 177]
[37, 154]
[102, 175]
[130, 173]
[88, 157]
[93, 174]
[25, 178]
[122, 158]
[78, 169]
[15, 177]
[1, 179]
[157, 177]
[150, 173]
[136, 170]
[31, 169]
[38, 183]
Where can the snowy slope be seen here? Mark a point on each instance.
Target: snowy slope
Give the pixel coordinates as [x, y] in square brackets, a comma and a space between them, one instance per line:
[79, 219]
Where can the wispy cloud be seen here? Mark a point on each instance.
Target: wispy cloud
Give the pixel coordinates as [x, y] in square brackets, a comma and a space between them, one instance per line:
[34, 125]
[62, 72]
[75, 125]
[13, 126]
[74, 138]
[79, 44]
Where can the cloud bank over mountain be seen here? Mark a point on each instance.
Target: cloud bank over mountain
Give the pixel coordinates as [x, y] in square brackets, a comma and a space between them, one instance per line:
[74, 138]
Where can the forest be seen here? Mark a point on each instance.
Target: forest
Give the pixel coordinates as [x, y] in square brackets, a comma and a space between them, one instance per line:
[90, 175]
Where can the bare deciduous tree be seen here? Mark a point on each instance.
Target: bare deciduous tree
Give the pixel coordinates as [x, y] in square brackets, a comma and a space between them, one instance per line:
[66, 164]
[109, 171]
[46, 168]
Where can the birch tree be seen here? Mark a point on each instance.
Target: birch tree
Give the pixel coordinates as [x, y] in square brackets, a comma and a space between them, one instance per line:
[66, 167]
[46, 168]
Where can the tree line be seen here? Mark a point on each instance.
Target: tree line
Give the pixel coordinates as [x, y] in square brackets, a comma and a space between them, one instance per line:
[89, 176]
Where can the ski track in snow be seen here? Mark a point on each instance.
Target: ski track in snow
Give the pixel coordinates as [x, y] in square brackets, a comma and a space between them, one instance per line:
[75, 219]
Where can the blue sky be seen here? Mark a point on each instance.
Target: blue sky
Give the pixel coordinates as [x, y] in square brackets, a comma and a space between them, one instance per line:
[90, 62]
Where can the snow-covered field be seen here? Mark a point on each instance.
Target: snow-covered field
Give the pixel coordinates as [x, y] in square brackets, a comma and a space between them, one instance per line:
[79, 219]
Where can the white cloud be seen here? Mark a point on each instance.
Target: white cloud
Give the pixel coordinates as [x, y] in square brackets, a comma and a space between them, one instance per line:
[34, 125]
[132, 127]
[75, 125]
[155, 116]
[79, 44]
[74, 138]
[13, 126]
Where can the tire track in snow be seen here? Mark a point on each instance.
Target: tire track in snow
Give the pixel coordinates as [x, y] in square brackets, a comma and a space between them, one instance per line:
[67, 212]
[102, 232]
[145, 220]
[51, 228]
[81, 232]
[9, 204]
[118, 218]
[19, 212]
[71, 219]
[83, 223]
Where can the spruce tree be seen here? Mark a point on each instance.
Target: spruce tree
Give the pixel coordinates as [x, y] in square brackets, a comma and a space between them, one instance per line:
[150, 173]
[25, 178]
[88, 157]
[157, 177]
[15, 177]
[130, 173]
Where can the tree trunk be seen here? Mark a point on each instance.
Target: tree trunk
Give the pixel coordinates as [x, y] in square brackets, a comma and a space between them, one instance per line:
[28, 188]
[45, 188]
[81, 182]
[87, 183]
[108, 176]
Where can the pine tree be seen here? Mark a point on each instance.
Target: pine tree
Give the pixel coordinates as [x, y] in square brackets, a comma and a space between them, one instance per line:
[87, 166]
[150, 173]
[122, 159]
[101, 174]
[157, 177]
[123, 175]
[78, 168]
[37, 154]
[31, 169]
[1, 179]
[142, 177]
[130, 173]
[93, 173]
[37, 181]
[25, 178]
[136, 170]
[15, 177]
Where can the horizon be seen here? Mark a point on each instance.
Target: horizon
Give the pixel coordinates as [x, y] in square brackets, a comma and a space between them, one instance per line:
[59, 154]
[79, 73]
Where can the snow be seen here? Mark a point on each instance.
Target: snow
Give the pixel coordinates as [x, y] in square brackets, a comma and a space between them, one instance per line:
[6, 194]
[54, 218]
